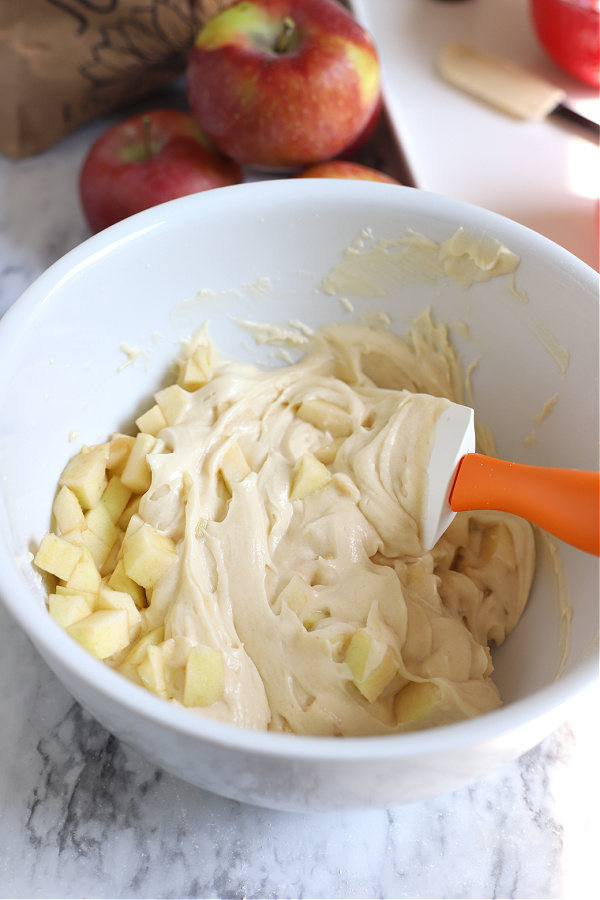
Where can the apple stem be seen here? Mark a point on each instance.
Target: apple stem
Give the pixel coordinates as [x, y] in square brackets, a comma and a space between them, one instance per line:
[146, 138]
[285, 35]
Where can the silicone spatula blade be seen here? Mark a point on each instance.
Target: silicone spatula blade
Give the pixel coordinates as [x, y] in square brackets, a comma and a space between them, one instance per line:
[506, 86]
[564, 502]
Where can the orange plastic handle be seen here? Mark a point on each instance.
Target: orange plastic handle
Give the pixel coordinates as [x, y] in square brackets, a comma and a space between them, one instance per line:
[565, 502]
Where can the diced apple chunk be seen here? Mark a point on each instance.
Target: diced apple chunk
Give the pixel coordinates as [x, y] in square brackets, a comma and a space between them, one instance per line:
[173, 402]
[358, 652]
[193, 375]
[148, 555]
[110, 599]
[370, 663]
[99, 550]
[138, 652]
[204, 677]
[310, 476]
[71, 592]
[66, 609]
[135, 523]
[136, 475]
[234, 465]
[296, 594]
[416, 700]
[108, 566]
[85, 575]
[67, 511]
[103, 633]
[152, 421]
[119, 448]
[130, 510]
[85, 475]
[74, 536]
[119, 580]
[152, 671]
[115, 497]
[57, 556]
[100, 522]
[199, 367]
[373, 686]
[326, 416]
[313, 618]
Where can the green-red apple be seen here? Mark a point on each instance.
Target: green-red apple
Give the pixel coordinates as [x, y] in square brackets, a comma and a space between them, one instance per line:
[148, 159]
[341, 168]
[366, 134]
[280, 84]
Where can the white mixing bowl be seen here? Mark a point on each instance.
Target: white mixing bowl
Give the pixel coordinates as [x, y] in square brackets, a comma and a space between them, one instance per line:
[259, 252]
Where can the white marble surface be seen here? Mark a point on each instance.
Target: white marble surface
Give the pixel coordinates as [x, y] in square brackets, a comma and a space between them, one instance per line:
[83, 816]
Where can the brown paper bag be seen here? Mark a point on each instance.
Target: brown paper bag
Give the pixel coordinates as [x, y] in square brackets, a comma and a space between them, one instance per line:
[63, 62]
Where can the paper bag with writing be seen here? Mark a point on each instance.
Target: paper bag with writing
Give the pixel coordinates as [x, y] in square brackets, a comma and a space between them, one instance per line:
[63, 62]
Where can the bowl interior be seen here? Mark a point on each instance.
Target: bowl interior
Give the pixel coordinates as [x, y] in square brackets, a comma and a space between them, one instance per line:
[83, 350]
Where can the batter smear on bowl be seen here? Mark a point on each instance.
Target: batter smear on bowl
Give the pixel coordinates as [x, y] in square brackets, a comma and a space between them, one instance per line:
[254, 553]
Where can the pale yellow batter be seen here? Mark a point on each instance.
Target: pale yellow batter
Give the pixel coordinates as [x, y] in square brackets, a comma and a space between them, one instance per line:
[293, 499]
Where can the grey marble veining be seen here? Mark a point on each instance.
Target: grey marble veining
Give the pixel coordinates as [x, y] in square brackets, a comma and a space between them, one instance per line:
[40, 218]
[82, 815]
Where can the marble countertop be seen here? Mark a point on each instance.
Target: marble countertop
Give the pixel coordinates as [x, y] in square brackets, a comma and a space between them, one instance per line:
[81, 815]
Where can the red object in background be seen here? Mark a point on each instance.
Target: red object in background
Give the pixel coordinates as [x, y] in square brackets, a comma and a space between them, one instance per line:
[569, 32]
[281, 84]
[345, 168]
[148, 159]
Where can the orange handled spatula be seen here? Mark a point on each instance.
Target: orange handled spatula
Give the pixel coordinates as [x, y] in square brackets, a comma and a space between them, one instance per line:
[564, 502]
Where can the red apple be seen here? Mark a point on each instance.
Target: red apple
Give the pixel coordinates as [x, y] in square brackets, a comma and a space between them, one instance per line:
[146, 160]
[341, 168]
[366, 134]
[280, 84]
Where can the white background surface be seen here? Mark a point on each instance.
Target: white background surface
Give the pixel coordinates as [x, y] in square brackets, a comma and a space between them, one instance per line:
[81, 815]
[542, 174]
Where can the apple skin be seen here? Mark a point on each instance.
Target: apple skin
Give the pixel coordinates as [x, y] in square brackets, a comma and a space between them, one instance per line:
[146, 160]
[283, 109]
[341, 168]
[366, 134]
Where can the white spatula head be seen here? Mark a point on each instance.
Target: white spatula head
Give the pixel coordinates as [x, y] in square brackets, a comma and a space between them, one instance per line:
[499, 82]
[454, 437]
